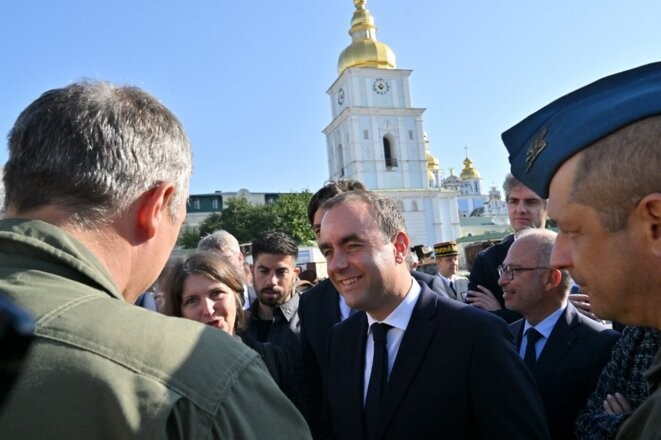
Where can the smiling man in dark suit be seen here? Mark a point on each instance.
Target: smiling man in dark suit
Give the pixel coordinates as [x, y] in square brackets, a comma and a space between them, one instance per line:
[322, 307]
[568, 350]
[415, 364]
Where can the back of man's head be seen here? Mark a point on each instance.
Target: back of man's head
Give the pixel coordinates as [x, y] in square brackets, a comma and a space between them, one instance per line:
[225, 244]
[219, 241]
[91, 149]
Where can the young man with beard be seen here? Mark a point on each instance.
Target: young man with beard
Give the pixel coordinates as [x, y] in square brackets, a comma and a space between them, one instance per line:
[274, 314]
[596, 152]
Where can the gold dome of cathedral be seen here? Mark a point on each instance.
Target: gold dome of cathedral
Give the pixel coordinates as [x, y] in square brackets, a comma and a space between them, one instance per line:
[365, 50]
[469, 172]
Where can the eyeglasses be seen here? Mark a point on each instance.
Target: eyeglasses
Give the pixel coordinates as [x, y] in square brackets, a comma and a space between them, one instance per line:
[508, 271]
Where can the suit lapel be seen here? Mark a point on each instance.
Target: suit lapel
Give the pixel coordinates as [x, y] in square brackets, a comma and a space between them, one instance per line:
[439, 286]
[517, 332]
[559, 343]
[356, 350]
[418, 335]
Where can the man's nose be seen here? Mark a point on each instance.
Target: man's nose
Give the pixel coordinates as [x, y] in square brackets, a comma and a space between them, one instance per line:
[337, 262]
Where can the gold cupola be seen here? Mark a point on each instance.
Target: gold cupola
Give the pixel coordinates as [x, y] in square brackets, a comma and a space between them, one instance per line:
[469, 172]
[432, 162]
[365, 50]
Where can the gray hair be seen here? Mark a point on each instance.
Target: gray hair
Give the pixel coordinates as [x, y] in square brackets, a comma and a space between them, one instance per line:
[92, 149]
[219, 241]
[509, 184]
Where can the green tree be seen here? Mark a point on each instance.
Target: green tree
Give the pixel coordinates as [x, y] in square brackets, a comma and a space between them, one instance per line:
[287, 214]
[240, 219]
[188, 237]
[290, 216]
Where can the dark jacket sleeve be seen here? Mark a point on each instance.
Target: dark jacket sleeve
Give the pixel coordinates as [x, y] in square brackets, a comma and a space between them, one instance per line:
[631, 357]
[485, 273]
[512, 407]
[278, 364]
[312, 389]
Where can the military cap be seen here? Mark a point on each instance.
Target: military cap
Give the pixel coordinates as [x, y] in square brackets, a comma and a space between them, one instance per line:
[543, 141]
[447, 249]
[422, 251]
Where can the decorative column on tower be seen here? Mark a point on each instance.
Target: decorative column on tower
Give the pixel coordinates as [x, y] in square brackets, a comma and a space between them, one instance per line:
[377, 137]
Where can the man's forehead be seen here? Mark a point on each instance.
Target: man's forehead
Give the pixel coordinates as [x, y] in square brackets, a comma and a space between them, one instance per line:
[560, 187]
[513, 256]
[339, 214]
[274, 260]
[521, 191]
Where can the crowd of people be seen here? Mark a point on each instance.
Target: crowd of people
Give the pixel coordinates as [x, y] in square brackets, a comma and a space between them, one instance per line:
[96, 185]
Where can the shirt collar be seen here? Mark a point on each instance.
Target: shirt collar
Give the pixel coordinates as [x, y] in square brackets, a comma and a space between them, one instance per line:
[446, 280]
[288, 309]
[546, 326]
[400, 317]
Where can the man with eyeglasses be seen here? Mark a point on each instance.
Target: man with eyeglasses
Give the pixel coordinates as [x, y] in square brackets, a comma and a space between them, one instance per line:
[526, 210]
[564, 350]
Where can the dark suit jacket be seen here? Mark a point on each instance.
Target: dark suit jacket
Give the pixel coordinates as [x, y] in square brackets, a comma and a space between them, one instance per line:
[318, 311]
[485, 273]
[569, 366]
[457, 375]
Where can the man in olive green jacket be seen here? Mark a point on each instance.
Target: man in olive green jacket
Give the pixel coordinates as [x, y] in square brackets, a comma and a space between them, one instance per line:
[96, 187]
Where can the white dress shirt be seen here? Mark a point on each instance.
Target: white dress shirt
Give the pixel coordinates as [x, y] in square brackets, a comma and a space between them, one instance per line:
[544, 328]
[399, 320]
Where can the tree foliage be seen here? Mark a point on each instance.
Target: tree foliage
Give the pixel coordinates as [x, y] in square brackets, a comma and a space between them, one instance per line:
[287, 214]
[188, 237]
[290, 216]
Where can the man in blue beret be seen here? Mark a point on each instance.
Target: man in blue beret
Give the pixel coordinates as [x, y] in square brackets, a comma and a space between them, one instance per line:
[596, 153]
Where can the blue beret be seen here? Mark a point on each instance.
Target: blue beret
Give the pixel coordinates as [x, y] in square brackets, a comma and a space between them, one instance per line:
[542, 142]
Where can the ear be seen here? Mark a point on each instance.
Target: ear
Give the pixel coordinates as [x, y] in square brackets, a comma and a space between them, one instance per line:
[401, 244]
[297, 271]
[553, 279]
[649, 210]
[153, 208]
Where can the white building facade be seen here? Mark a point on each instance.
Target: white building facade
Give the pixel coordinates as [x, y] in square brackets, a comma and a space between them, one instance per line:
[377, 136]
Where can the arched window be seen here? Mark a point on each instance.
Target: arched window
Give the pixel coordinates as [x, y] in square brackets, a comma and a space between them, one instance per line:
[340, 160]
[391, 161]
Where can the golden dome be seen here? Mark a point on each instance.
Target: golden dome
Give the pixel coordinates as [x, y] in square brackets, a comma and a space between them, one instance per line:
[469, 172]
[365, 50]
[432, 162]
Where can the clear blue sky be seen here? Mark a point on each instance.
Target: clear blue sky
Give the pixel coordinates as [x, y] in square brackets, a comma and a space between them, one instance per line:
[248, 79]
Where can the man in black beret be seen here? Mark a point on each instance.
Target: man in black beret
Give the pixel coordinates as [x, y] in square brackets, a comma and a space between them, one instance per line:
[596, 153]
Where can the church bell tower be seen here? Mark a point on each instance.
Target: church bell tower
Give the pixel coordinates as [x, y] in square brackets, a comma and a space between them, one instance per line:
[377, 137]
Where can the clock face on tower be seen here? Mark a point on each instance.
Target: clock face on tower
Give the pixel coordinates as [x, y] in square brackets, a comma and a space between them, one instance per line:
[340, 96]
[381, 86]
